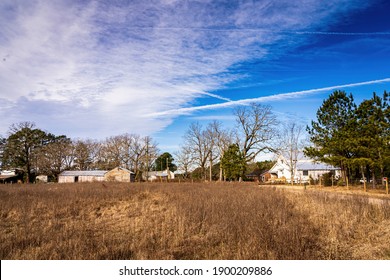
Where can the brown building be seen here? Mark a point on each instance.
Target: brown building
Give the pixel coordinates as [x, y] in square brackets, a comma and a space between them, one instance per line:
[120, 174]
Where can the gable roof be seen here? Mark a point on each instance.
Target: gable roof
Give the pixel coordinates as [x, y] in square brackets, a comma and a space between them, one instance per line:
[122, 168]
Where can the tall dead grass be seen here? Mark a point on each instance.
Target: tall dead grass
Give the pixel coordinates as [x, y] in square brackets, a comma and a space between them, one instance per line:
[187, 221]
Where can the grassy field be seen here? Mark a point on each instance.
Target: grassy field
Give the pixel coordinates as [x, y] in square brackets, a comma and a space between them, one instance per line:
[188, 221]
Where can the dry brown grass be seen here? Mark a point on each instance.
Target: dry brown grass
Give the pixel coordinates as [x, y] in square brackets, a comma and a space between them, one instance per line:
[187, 221]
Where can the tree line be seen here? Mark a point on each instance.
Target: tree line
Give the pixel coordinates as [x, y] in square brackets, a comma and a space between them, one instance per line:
[38, 152]
[353, 137]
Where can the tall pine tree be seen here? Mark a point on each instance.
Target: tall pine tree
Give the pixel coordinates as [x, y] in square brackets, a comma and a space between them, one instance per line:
[331, 133]
[372, 137]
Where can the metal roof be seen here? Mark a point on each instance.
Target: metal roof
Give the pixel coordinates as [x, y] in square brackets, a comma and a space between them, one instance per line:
[159, 173]
[315, 166]
[96, 173]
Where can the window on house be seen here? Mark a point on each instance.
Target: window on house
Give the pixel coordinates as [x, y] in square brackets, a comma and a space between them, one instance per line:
[305, 172]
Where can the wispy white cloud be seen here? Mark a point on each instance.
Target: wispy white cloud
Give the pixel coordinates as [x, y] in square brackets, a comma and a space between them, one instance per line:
[96, 68]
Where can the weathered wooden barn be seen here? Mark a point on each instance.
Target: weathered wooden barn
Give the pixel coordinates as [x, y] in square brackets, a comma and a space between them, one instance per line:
[120, 174]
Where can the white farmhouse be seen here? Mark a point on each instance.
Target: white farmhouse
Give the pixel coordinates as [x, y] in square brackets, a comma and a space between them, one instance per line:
[304, 169]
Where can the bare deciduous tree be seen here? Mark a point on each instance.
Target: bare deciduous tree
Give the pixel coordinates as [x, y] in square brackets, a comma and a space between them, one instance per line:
[85, 154]
[149, 155]
[3, 142]
[115, 151]
[130, 151]
[184, 160]
[291, 144]
[199, 143]
[221, 140]
[256, 129]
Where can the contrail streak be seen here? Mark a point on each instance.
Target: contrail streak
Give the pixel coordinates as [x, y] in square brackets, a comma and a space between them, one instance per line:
[260, 30]
[216, 96]
[204, 93]
[275, 97]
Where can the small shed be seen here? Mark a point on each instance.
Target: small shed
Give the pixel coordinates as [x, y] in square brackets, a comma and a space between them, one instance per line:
[41, 179]
[159, 175]
[74, 176]
[11, 176]
[120, 174]
[267, 176]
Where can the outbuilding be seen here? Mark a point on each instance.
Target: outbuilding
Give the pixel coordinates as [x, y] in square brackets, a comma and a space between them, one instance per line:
[117, 174]
[159, 175]
[74, 176]
[11, 176]
[120, 174]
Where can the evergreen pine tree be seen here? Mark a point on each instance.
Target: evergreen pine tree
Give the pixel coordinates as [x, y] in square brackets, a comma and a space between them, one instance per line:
[331, 133]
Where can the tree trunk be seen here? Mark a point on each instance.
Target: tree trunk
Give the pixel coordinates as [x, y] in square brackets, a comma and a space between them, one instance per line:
[211, 168]
[373, 178]
[364, 179]
[28, 173]
[292, 176]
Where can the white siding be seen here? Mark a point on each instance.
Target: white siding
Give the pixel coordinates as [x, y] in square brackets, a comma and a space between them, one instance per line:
[71, 179]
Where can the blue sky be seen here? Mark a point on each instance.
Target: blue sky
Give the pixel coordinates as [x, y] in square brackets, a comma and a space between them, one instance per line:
[94, 69]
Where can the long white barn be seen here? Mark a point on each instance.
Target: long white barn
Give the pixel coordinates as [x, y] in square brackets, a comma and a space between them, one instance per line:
[74, 176]
[117, 174]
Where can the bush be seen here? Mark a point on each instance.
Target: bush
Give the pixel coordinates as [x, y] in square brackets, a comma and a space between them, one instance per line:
[327, 179]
